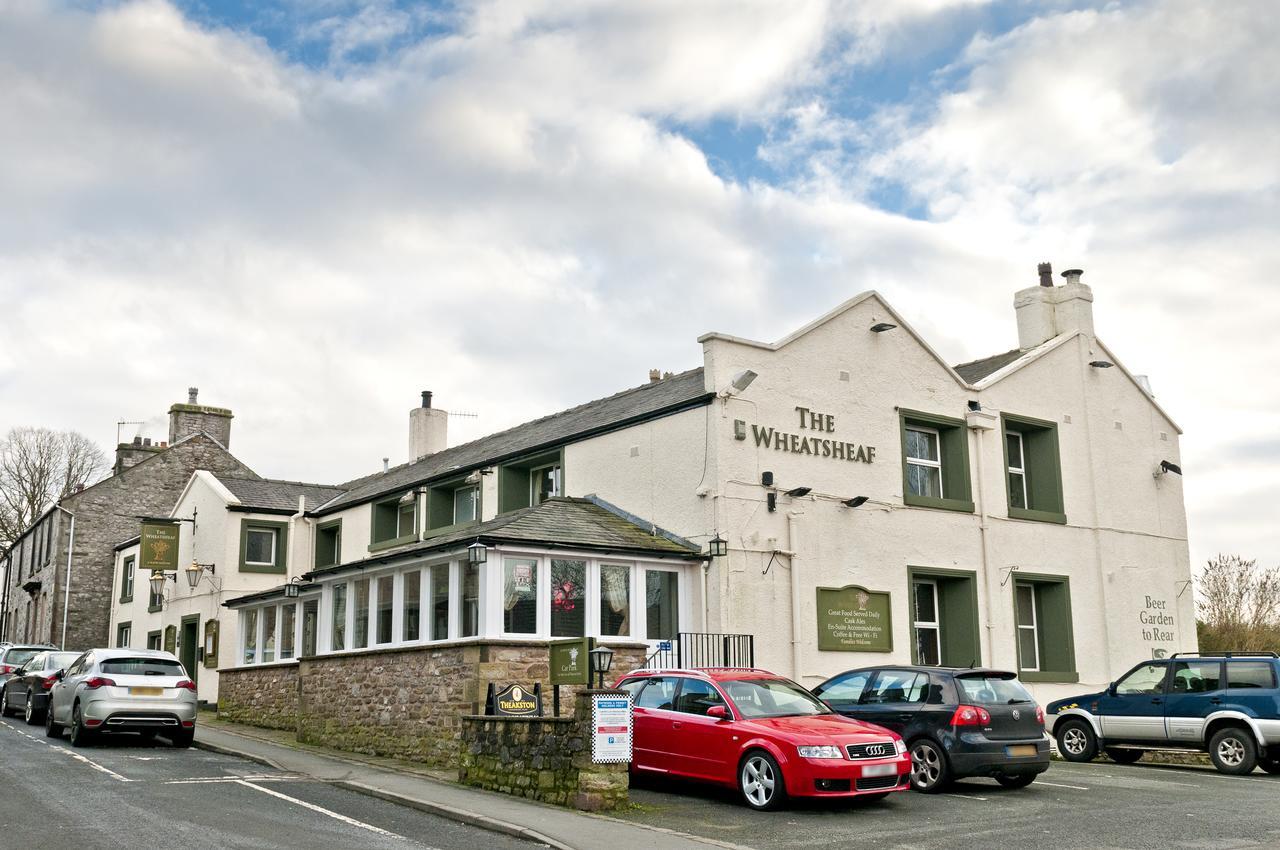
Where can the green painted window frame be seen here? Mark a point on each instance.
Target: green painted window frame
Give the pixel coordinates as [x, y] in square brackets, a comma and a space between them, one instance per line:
[1054, 627]
[128, 578]
[120, 627]
[384, 515]
[961, 642]
[953, 450]
[282, 545]
[440, 506]
[324, 528]
[1042, 464]
[514, 482]
[158, 637]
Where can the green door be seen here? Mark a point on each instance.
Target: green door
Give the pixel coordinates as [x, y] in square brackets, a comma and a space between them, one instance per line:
[189, 644]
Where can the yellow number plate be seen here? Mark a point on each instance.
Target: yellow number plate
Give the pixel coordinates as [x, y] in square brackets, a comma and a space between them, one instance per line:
[146, 692]
[1021, 751]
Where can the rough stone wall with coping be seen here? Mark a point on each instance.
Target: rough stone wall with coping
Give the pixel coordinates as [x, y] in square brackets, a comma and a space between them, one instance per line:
[542, 758]
[266, 695]
[404, 703]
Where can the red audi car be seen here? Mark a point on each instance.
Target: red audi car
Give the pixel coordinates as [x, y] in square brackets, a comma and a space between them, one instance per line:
[758, 732]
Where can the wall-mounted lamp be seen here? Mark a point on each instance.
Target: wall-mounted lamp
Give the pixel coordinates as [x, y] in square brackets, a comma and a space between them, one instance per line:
[477, 553]
[881, 327]
[158, 578]
[1166, 467]
[975, 405]
[855, 502]
[292, 587]
[797, 492]
[1101, 364]
[196, 571]
[718, 547]
[738, 383]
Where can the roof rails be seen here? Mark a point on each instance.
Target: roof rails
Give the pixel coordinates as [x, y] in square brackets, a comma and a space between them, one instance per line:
[1266, 653]
[703, 670]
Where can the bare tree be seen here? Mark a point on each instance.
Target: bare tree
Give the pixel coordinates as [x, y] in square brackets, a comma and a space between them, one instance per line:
[38, 466]
[1239, 605]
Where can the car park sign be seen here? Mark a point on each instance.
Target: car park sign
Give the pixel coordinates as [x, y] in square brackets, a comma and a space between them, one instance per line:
[610, 728]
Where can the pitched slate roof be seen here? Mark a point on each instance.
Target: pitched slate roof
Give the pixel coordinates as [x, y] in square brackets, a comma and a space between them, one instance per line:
[976, 370]
[666, 396]
[274, 495]
[559, 522]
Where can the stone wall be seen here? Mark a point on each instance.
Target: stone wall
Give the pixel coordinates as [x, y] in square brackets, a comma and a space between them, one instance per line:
[404, 703]
[546, 759]
[265, 695]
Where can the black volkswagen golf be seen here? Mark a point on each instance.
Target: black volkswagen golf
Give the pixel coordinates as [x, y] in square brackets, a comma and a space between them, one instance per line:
[957, 722]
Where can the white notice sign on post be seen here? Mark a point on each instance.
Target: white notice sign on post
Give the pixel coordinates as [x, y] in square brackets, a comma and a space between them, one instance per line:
[611, 728]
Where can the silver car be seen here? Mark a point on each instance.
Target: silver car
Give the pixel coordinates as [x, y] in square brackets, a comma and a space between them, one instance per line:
[123, 690]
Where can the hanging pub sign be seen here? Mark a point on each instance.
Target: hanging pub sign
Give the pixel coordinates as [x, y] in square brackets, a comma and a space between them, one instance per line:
[571, 661]
[158, 549]
[514, 701]
[854, 619]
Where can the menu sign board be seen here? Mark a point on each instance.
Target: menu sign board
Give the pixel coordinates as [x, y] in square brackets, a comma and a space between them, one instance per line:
[854, 619]
[611, 728]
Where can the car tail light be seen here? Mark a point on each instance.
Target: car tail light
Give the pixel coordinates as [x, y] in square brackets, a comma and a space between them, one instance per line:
[95, 682]
[1040, 715]
[5, 668]
[188, 724]
[187, 684]
[970, 715]
[47, 682]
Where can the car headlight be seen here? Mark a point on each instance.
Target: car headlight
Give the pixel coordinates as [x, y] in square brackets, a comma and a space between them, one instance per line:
[901, 745]
[826, 751]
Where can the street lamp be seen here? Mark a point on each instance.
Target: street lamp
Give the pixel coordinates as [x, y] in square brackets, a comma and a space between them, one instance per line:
[601, 661]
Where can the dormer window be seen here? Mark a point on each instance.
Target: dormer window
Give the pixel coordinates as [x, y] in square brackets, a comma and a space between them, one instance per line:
[394, 521]
[530, 481]
[544, 483]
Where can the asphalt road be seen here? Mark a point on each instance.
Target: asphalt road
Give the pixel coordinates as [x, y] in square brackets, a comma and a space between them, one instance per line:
[128, 793]
[1097, 806]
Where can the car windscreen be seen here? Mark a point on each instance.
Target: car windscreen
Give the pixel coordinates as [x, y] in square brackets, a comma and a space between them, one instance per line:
[142, 667]
[772, 698]
[992, 690]
[60, 660]
[17, 657]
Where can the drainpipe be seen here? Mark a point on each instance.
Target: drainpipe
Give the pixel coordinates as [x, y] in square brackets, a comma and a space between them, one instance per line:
[706, 604]
[66, 585]
[792, 537]
[293, 521]
[992, 589]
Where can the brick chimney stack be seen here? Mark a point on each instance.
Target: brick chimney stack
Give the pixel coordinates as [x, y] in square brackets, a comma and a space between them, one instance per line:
[1045, 311]
[428, 429]
[194, 418]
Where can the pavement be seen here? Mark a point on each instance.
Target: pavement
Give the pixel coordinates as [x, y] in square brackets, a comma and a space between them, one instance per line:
[428, 791]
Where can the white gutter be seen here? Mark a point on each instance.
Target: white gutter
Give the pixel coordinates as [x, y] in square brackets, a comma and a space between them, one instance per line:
[792, 516]
[66, 585]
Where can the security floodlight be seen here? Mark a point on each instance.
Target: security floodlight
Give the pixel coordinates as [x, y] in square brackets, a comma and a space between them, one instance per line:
[855, 502]
[1166, 466]
[1101, 364]
[881, 327]
[718, 547]
[975, 405]
[797, 492]
[740, 382]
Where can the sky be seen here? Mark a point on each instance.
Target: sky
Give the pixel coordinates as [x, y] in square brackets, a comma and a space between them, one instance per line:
[314, 210]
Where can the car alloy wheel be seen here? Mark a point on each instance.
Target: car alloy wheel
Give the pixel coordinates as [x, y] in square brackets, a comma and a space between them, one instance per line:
[79, 734]
[928, 767]
[1076, 741]
[51, 729]
[760, 781]
[29, 713]
[1233, 751]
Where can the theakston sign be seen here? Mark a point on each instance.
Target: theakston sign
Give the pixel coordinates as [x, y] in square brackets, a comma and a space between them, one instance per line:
[806, 444]
[854, 619]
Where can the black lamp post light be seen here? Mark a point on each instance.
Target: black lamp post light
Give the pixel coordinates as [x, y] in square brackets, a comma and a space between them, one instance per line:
[601, 661]
[718, 547]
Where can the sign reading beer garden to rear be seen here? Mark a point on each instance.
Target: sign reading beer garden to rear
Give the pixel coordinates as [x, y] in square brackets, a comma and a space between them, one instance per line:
[854, 619]
[158, 549]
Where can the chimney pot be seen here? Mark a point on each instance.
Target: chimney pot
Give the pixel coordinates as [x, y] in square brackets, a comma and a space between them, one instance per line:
[192, 393]
[1046, 274]
[146, 442]
[1073, 275]
[137, 441]
[426, 398]
[386, 464]
[655, 375]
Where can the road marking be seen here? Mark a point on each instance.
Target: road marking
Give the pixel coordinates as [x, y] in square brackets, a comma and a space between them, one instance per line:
[321, 810]
[199, 780]
[108, 771]
[967, 797]
[1057, 785]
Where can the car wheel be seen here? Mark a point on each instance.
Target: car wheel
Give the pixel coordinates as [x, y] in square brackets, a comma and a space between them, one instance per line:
[51, 729]
[182, 740]
[760, 781]
[1123, 756]
[1076, 741]
[80, 735]
[1015, 780]
[4, 702]
[29, 712]
[1233, 751]
[929, 771]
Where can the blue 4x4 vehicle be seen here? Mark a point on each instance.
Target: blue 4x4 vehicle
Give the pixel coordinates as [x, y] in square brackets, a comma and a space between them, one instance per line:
[1227, 705]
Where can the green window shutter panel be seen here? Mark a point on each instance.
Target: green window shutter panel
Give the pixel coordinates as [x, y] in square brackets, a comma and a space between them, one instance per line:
[953, 451]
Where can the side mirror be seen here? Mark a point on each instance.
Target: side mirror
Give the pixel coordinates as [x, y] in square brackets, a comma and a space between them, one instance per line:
[719, 712]
[1111, 688]
[60, 675]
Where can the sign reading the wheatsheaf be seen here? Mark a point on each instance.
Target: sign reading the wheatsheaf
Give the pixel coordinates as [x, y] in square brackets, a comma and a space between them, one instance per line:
[854, 619]
[159, 546]
[570, 662]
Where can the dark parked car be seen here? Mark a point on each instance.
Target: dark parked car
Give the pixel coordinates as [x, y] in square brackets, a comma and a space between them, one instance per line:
[957, 722]
[1226, 705]
[14, 656]
[27, 691]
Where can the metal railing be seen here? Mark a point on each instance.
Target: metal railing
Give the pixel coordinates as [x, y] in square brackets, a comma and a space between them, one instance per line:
[704, 649]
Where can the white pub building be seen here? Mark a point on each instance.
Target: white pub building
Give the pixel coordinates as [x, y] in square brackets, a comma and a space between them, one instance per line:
[873, 503]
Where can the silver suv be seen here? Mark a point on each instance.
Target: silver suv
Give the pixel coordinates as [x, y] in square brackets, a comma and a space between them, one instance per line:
[123, 690]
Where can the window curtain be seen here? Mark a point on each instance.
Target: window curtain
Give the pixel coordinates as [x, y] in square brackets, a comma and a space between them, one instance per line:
[615, 594]
[509, 594]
